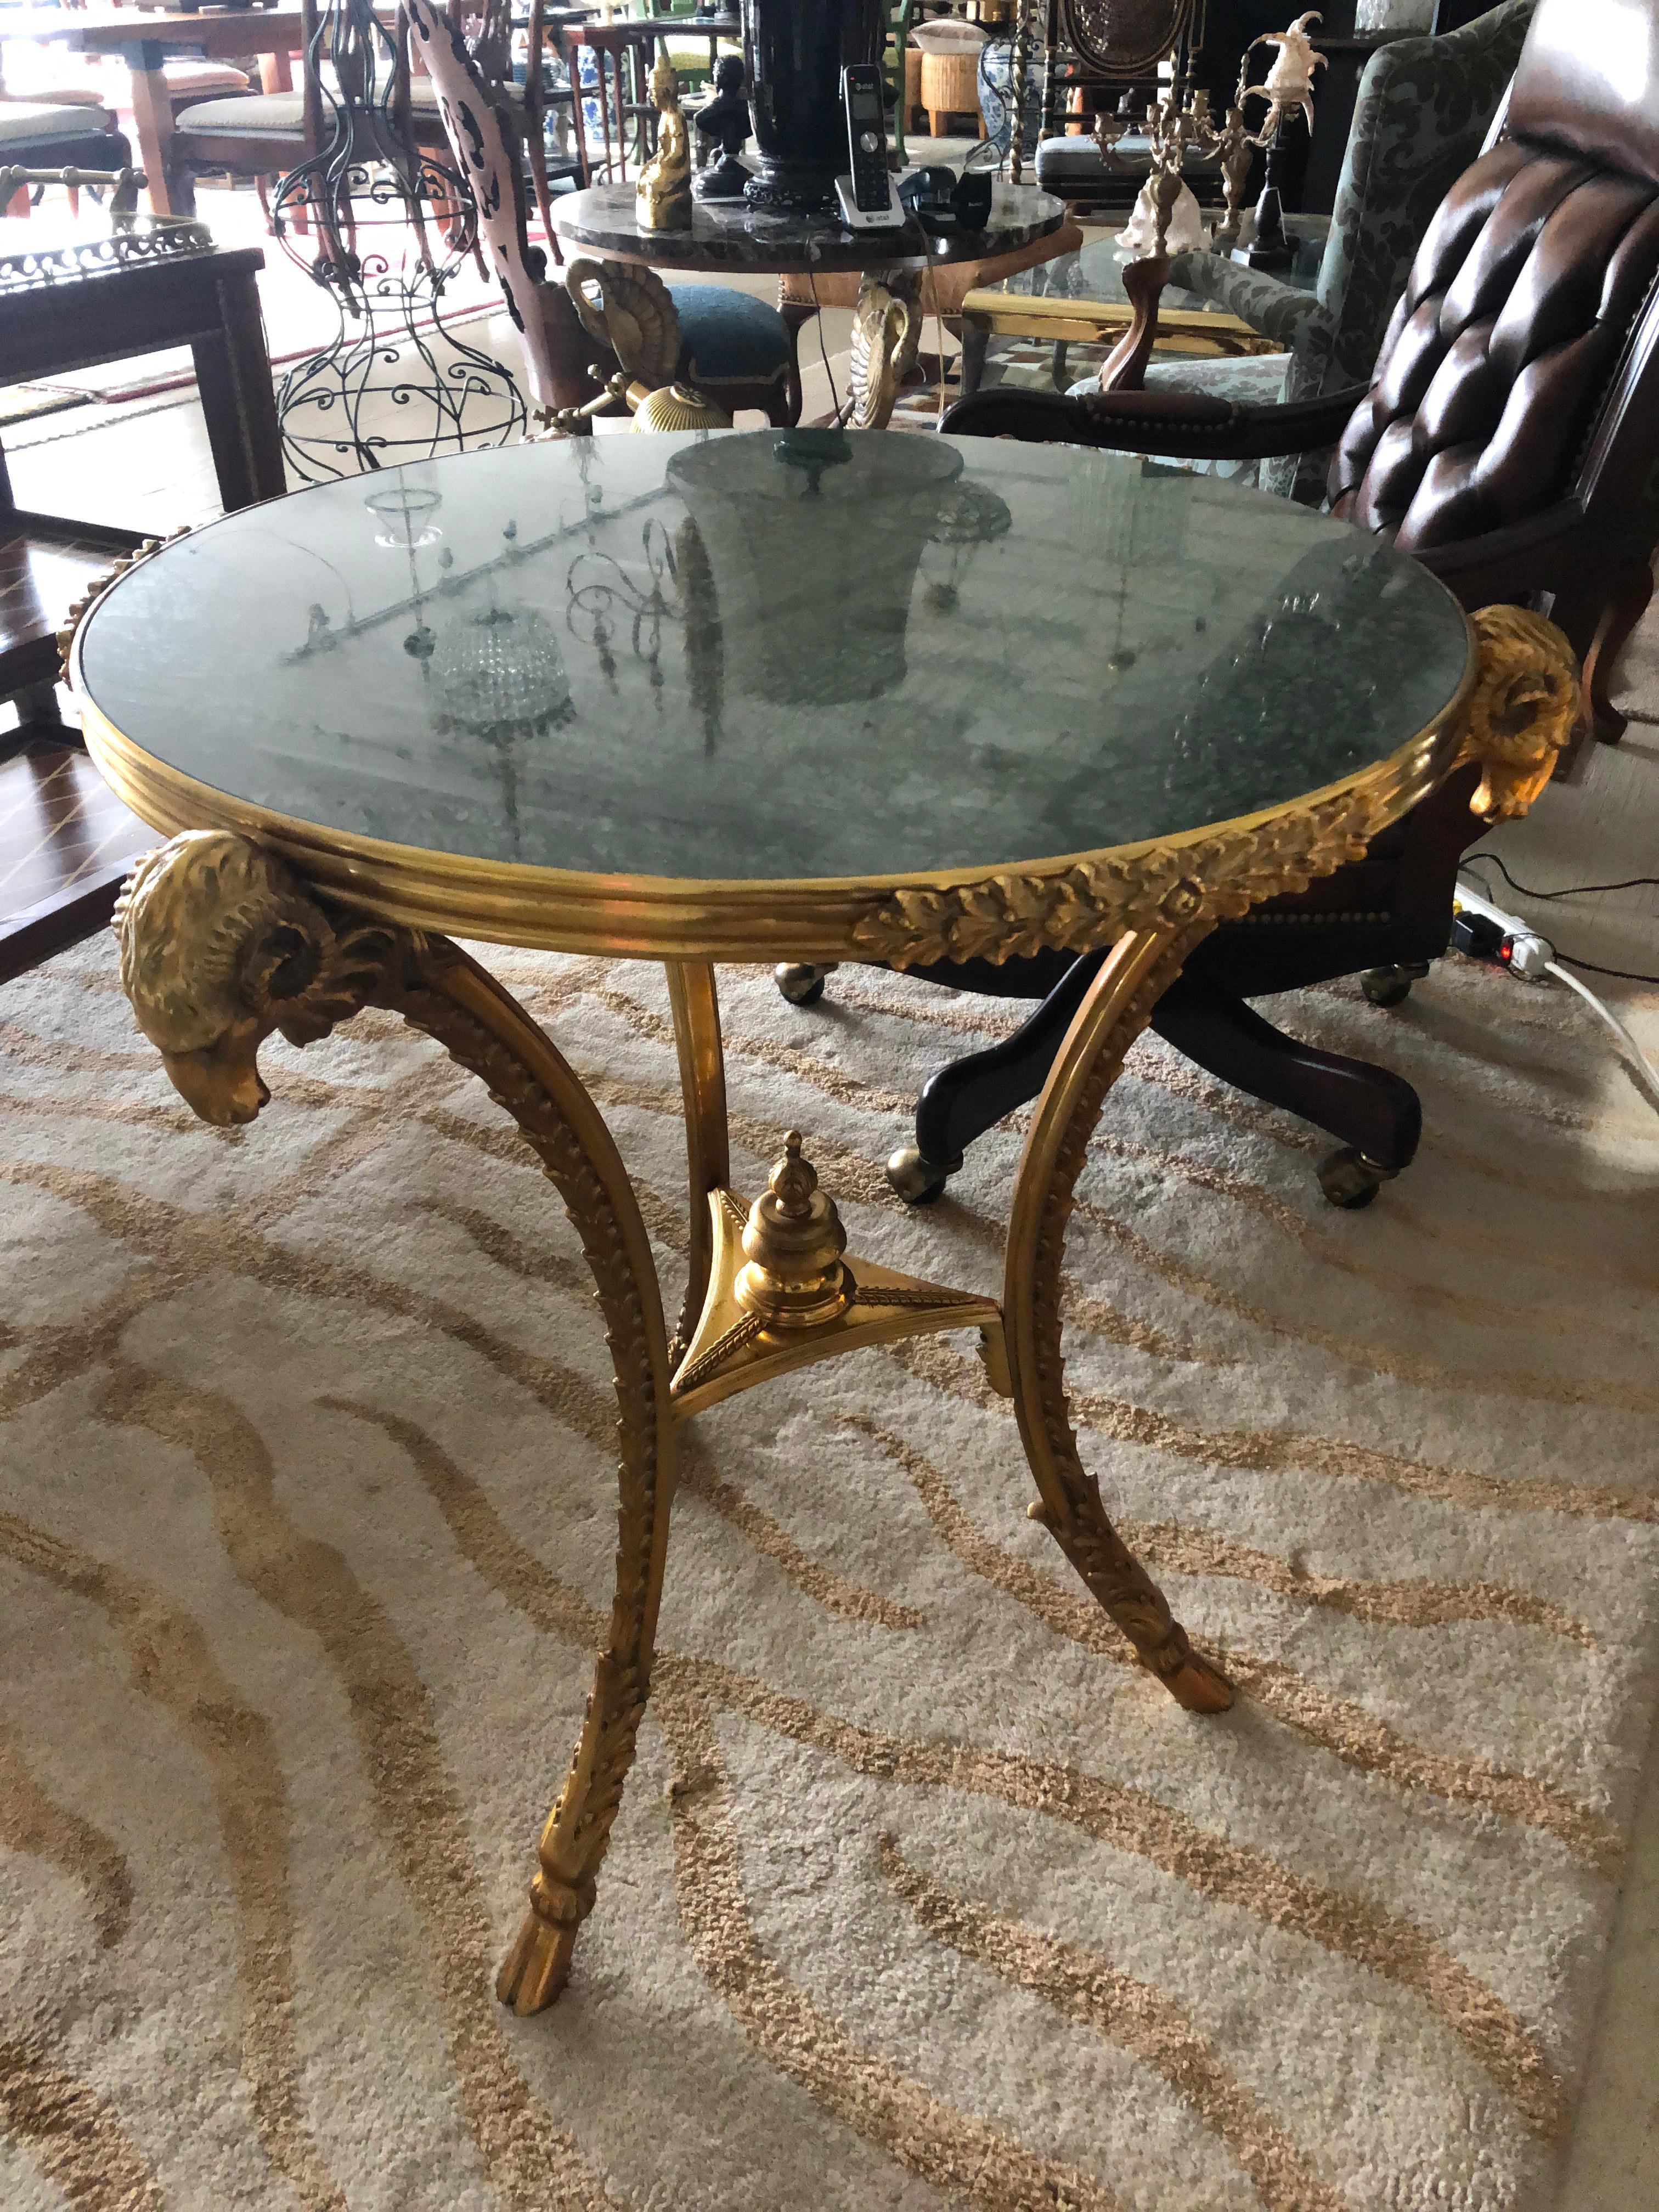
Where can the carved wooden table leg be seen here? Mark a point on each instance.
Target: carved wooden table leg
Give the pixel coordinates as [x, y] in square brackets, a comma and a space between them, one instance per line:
[1140, 969]
[221, 944]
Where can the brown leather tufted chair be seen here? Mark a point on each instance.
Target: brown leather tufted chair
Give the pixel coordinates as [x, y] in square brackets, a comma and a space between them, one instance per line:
[1509, 439]
[1509, 434]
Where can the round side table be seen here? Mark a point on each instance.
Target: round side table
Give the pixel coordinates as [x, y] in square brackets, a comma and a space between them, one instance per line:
[696, 698]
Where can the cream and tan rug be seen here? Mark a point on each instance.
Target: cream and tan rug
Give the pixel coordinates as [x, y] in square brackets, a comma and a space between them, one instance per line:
[921, 1895]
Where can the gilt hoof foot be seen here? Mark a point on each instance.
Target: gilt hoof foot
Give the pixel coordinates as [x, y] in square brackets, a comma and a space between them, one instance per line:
[1198, 1685]
[537, 1968]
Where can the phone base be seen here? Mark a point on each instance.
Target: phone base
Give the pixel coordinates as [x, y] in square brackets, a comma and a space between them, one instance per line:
[854, 217]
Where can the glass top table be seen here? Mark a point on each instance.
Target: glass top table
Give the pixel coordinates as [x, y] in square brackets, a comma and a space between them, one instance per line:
[1081, 296]
[770, 656]
[1095, 272]
[800, 697]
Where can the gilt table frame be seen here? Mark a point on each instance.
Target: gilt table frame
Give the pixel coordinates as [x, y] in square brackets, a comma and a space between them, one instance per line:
[247, 922]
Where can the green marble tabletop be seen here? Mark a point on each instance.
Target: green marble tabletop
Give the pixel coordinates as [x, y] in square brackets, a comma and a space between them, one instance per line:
[773, 655]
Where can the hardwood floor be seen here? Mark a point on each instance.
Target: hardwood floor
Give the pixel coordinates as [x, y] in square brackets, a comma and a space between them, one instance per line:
[65, 841]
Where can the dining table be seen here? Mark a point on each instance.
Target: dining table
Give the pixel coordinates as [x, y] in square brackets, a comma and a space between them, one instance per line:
[722, 696]
[146, 40]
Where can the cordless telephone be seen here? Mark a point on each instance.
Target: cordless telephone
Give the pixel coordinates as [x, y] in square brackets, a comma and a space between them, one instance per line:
[868, 200]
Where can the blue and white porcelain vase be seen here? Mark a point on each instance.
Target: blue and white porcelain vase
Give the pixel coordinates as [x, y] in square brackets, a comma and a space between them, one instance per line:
[996, 70]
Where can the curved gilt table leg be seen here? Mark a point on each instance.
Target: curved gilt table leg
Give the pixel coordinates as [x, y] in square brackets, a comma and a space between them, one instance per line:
[1140, 969]
[221, 944]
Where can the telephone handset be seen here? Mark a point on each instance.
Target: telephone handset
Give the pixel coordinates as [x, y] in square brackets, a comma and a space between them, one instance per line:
[868, 198]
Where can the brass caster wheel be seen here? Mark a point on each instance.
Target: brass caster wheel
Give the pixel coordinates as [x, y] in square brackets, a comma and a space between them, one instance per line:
[1391, 986]
[800, 982]
[1349, 1179]
[917, 1182]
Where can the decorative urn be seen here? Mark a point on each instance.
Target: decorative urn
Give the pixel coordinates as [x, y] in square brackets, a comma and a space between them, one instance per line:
[797, 49]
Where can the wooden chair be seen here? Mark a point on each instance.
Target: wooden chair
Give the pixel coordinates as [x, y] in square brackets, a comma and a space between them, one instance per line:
[741, 350]
[1509, 439]
[260, 135]
[546, 28]
[485, 28]
[619, 91]
[266, 136]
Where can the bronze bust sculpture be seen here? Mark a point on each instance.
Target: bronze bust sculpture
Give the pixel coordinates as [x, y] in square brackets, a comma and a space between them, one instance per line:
[726, 122]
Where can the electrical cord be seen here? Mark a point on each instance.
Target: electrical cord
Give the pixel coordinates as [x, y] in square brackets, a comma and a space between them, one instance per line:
[817, 305]
[1573, 890]
[1590, 967]
[1642, 1064]
[1620, 975]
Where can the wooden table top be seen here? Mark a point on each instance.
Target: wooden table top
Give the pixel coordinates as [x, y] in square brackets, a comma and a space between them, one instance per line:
[228, 30]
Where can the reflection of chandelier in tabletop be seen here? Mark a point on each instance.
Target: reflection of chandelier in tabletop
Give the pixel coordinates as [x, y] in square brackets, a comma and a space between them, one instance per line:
[599, 592]
[970, 514]
[500, 674]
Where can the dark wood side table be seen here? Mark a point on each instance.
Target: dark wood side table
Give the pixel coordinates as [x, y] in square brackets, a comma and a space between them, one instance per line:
[56, 885]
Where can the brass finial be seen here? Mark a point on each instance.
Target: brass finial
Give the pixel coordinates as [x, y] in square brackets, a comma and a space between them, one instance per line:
[793, 1244]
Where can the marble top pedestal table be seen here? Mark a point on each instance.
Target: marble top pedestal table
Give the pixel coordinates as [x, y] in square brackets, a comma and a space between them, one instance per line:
[739, 239]
[386, 713]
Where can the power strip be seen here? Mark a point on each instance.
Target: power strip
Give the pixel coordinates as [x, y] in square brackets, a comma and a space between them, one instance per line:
[1487, 933]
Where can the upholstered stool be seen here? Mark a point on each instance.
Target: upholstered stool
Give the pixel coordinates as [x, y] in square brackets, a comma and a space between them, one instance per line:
[950, 86]
[733, 338]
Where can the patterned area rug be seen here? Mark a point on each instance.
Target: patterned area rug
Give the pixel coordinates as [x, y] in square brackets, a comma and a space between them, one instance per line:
[920, 1894]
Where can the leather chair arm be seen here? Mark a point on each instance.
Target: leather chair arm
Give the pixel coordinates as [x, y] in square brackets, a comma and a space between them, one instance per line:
[1186, 425]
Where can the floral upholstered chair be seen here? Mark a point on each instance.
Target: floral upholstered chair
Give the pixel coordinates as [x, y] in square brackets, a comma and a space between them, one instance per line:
[1424, 111]
[740, 348]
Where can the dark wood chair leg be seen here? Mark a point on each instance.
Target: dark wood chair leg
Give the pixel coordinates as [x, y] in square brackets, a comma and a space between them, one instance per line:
[962, 1101]
[1627, 609]
[1375, 1114]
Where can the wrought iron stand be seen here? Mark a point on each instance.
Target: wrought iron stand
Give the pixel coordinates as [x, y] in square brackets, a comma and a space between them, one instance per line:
[393, 226]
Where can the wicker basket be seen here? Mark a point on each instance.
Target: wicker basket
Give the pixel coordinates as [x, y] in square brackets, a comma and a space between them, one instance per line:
[912, 84]
[949, 85]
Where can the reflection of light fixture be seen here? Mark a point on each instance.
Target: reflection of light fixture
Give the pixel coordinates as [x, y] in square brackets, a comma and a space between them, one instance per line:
[404, 512]
[970, 515]
[814, 590]
[598, 587]
[812, 451]
[500, 674]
